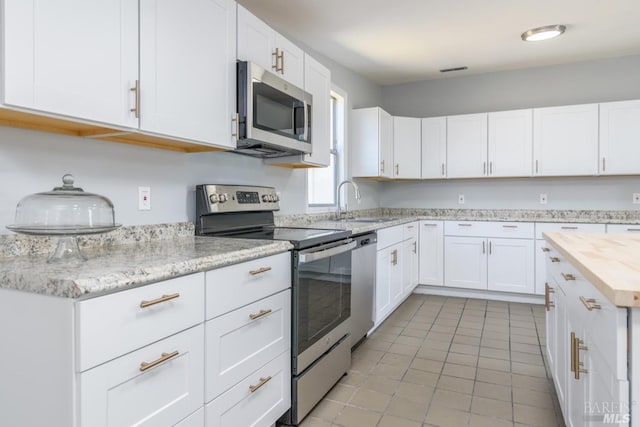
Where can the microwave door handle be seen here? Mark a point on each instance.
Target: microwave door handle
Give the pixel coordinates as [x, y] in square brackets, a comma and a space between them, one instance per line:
[305, 134]
[322, 254]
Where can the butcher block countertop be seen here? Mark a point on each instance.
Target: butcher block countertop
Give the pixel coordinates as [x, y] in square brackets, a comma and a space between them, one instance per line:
[611, 262]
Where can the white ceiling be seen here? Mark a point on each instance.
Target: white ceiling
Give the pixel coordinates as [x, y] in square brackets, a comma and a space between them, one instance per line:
[398, 41]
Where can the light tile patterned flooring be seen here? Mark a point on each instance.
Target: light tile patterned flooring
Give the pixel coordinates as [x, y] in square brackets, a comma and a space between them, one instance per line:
[442, 361]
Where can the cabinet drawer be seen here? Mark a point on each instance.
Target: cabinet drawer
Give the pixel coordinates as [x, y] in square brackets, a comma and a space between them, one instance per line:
[240, 406]
[510, 230]
[118, 393]
[467, 228]
[544, 227]
[237, 285]
[410, 231]
[194, 420]
[390, 236]
[237, 344]
[114, 324]
[623, 228]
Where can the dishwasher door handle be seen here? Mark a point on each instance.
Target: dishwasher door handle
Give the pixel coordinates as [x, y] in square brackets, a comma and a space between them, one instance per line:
[326, 253]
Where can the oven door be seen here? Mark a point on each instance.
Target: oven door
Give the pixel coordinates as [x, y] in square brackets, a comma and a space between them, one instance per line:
[321, 300]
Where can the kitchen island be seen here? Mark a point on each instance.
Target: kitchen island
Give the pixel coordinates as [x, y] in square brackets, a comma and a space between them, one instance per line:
[592, 299]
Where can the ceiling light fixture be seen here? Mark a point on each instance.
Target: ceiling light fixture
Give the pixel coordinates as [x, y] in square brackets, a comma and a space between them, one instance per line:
[543, 33]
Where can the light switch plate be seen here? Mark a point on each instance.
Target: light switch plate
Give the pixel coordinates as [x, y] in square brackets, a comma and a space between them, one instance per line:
[144, 198]
[543, 198]
[636, 198]
[461, 199]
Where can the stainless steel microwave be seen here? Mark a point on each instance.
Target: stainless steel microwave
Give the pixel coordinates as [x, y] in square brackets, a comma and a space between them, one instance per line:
[274, 116]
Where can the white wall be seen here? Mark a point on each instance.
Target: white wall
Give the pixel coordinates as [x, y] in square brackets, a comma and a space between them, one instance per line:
[32, 161]
[592, 81]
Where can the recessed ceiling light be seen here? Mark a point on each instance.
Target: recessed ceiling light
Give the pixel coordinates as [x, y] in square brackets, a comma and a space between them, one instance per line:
[543, 33]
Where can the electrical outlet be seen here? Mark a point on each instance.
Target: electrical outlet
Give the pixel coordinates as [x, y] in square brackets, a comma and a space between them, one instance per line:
[144, 198]
[543, 199]
[636, 198]
[461, 199]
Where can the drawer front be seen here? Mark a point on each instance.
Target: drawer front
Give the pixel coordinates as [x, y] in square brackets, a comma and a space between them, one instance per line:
[410, 231]
[236, 344]
[623, 228]
[114, 324]
[511, 230]
[118, 393]
[240, 406]
[390, 236]
[238, 285]
[544, 227]
[467, 228]
[194, 420]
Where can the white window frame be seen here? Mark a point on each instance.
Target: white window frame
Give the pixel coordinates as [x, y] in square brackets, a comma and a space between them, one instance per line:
[339, 151]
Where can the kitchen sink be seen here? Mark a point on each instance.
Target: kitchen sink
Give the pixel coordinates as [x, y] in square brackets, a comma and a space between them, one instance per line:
[367, 219]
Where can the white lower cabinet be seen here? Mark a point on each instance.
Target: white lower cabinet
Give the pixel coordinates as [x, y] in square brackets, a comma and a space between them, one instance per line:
[587, 348]
[257, 400]
[156, 385]
[396, 268]
[194, 420]
[431, 253]
[495, 256]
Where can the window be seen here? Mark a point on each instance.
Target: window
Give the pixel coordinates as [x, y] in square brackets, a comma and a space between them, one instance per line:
[322, 182]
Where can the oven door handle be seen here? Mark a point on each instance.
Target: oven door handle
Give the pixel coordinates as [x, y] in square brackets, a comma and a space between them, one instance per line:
[326, 253]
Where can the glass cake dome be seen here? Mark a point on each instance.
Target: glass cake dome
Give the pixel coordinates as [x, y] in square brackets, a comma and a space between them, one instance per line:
[67, 212]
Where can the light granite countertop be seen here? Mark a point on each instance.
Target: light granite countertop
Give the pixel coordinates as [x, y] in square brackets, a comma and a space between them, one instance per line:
[117, 267]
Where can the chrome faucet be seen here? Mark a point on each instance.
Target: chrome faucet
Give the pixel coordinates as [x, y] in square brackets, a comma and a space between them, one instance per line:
[346, 208]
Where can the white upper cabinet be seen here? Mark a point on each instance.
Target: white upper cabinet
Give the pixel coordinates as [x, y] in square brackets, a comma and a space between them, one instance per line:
[75, 59]
[187, 69]
[565, 140]
[406, 148]
[317, 81]
[510, 143]
[372, 143]
[620, 138]
[467, 146]
[434, 147]
[260, 44]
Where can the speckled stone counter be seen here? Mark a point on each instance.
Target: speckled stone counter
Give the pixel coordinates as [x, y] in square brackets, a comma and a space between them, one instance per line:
[408, 214]
[113, 267]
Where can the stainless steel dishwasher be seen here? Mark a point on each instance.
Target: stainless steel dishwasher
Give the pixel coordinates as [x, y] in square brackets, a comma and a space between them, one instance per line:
[363, 283]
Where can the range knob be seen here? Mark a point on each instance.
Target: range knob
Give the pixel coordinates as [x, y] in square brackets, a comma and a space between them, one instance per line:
[223, 197]
[276, 198]
[265, 198]
[214, 198]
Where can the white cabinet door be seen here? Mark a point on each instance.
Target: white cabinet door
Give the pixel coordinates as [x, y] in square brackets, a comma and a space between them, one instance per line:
[187, 69]
[565, 140]
[431, 253]
[78, 59]
[388, 280]
[262, 45]
[406, 147]
[372, 143]
[510, 143]
[620, 138]
[291, 61]
[562, 360]
[434, 147]
[465, 262]
[550, 324]
[467, 146]
[409, 267]
[317, 81]
[256, 40]
[511, 265]
[125, 391]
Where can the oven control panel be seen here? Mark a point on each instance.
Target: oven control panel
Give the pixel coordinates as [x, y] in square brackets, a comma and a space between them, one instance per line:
[235, 198]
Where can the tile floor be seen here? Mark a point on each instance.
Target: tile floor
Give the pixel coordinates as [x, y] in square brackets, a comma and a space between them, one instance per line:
[441, 361]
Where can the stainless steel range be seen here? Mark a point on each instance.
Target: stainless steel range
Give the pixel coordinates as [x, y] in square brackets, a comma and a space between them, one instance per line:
[321, 284]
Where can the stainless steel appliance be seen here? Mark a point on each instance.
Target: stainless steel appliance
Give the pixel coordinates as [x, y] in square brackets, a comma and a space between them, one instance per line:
[363, 283]
[274, 116]
[321, 284]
